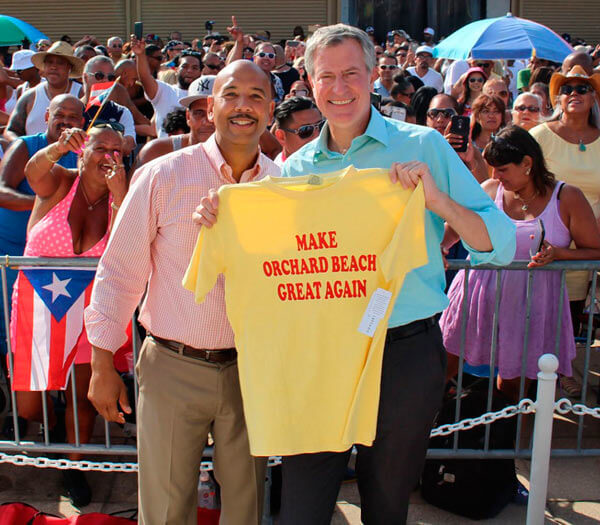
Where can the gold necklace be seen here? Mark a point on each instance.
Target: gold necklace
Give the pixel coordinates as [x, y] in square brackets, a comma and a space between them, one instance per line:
[525, 205]
[90, 206]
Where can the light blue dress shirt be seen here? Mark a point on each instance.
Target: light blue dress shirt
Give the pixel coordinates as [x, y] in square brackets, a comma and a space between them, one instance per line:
[386, 141]
[379, 88]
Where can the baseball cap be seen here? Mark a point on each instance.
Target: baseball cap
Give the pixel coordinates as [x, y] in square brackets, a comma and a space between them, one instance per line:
[429, 31]
[200, 88]
[22, 60]
[424, 49]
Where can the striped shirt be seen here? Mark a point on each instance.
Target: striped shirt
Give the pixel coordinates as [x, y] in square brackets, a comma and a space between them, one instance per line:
[150, 247]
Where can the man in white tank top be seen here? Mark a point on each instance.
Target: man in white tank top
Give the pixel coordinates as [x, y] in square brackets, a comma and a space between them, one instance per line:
[57, 65]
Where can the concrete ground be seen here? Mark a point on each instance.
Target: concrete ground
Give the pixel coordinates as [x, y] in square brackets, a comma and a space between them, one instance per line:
[573, 491]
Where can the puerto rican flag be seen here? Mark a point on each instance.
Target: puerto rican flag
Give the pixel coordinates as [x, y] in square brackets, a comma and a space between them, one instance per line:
[100, 92]
[46, 325]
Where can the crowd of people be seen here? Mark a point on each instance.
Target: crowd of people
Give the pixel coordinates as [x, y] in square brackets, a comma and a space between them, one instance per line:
[132, 178]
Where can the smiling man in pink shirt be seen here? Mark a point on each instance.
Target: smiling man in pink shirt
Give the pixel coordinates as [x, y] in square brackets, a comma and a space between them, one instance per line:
[187, 367]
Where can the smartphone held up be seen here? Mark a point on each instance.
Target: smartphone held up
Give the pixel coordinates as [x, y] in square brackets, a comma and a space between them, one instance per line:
[461, 126]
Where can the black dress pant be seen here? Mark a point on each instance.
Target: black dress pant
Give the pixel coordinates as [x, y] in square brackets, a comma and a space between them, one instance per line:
[412, 383]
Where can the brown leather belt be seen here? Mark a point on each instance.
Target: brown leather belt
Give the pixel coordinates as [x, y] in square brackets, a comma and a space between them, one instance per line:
[211, 356]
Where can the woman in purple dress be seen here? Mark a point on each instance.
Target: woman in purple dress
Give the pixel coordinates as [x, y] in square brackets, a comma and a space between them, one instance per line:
[522, 187]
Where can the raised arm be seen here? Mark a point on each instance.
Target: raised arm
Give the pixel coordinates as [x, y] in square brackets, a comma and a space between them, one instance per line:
[42, 172]
[16, 124]
[237, 51]
[143, 68]
[12, 173]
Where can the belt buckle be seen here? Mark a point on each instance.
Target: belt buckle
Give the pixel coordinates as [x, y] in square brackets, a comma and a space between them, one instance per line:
[207, 354]
[180, 347]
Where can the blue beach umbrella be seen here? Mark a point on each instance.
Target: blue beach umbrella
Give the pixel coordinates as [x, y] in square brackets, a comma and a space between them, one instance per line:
[13, 31]
[504, 37]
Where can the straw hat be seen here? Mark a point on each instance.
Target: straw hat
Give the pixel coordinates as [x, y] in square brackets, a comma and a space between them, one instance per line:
[576, 73]
[64, 50]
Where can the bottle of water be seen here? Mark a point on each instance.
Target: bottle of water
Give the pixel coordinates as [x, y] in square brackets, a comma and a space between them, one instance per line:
[207, 492]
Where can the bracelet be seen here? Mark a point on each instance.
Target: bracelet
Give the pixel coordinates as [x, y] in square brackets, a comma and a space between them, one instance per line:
[114, 206]
[53, 161]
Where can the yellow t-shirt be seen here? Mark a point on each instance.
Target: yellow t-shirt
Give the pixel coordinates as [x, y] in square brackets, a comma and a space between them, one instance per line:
[302, 257]
[577, 168]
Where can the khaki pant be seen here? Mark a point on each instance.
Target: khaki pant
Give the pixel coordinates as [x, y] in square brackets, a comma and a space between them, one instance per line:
[181, 400]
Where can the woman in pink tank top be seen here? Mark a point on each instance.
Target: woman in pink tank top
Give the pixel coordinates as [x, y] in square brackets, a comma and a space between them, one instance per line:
[71, 217]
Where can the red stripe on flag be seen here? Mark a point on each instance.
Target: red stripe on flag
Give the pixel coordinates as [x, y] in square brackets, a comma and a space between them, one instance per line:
[56, 372]
[97, 91]
[22, 334]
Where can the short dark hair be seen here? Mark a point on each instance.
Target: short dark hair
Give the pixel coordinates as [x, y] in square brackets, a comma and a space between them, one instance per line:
[289, 106]
[449, 98]
[420, 102]
[176, 120]
[188, 53]
[415, 81]
[510, 146]
[151, 48]
[400, 86]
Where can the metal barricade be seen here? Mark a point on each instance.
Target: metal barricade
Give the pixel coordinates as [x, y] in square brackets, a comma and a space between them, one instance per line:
[21, 452]
[522, 451]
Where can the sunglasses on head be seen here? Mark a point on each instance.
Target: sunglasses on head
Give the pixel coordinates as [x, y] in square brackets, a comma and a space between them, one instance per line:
[262, 54]
[115, 126]
[531, 109]
[446, 112]
[307, 130]
[472, 80]
[390, 66]
[98, 75]
[580, 89]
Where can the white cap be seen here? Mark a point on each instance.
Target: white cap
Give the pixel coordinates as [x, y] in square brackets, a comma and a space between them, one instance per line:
[200, 88]
[22, 60]
[424, 49]
[429, 31]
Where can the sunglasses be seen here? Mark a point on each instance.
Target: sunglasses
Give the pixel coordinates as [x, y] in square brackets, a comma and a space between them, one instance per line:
[115, 126]
[262, 54]
[307, 130]
[390, 66]
[99, 76]
[446, 112]
[531, 109]
[580, 89]
[299, 92]
[214, 67]
[156, 57]
[402, 55]
[482, 65]
[472, 80]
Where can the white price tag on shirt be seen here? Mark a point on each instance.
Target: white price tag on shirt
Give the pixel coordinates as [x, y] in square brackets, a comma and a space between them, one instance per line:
[375, 312]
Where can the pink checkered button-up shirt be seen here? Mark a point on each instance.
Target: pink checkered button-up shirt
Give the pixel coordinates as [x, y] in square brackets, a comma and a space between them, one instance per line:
[150, 246]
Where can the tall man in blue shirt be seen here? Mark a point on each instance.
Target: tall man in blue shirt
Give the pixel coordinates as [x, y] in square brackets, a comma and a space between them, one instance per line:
[414, 360]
